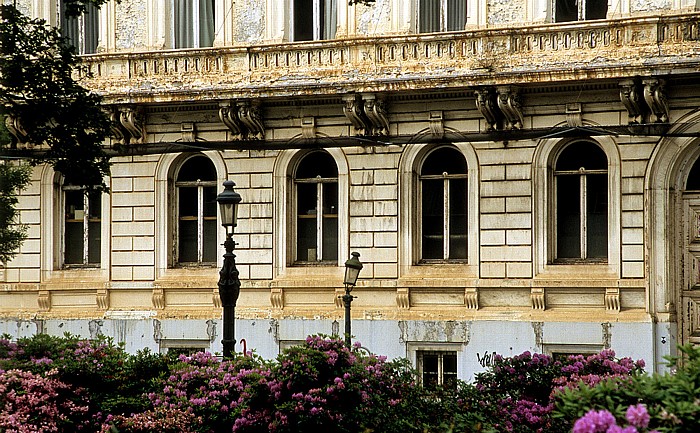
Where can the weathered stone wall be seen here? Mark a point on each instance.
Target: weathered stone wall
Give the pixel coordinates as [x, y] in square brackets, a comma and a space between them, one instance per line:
[502, 12]
[132, 25]
[248, 21]
[374, 20]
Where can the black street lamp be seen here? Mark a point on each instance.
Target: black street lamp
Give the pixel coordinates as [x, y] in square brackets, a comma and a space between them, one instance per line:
[352, 271]
[229, 283]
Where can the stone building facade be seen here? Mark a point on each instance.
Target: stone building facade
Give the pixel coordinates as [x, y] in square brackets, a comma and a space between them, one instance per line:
[516, 175]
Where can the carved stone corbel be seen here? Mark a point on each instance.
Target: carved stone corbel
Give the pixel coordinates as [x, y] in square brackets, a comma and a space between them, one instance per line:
[188, 132]
[574, 114]
[437, 124]
[14, 127]
[251, 117]
[102, 299]
[403, 298]
[339, 292]
[353, 110]
[131, 118]
[229, 117]
[375, 111]
[216, 298]
[158, 298]
[308, 127]
[509, 104]
[277, 298]
[612, 299]
[486, 104]
[655, 97]
[632, 100]
[44, 300]
[471, 298]
[537, 298]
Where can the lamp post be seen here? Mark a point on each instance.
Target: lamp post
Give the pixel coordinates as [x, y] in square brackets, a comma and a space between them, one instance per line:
[352, 271]
[229, 283]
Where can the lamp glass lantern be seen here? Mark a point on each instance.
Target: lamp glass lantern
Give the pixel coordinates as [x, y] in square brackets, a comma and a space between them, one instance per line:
[353, 266]
[228, 201]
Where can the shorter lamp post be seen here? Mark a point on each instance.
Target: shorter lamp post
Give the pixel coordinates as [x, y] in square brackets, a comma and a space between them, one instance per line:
[352, 271]
[229, 283]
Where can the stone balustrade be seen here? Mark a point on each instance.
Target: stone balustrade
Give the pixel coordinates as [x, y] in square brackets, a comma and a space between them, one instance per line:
[499, 54]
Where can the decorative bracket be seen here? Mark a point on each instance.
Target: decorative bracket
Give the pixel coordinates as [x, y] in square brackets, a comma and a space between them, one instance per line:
[631, 99]
[251, 117]
[188, 131]
[471, 298]
[131, 119]
[655, 97]
[44, 300]
[277, 298]
[229, 116]
[486, 104]
[339, 292]
[376, 113]
[509, 104]
[403, 298]
[574, 114]
[537, 298]
[158, 298]
[353, 110]
[437, 124]
[102, 299]
[14, 127]
[216, 298]
[612, 299]
[308, 127]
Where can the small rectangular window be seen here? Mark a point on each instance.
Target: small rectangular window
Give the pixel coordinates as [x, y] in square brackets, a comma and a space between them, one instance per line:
[437, 368]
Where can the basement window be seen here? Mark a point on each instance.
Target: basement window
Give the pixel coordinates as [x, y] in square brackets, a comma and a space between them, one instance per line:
[581, 184]
[316, 184]
[579, 10]
[437, 368]
[441, 15]
[313, 20]
[193, 23]
[82, 224]
[195, 188]
[443, 213]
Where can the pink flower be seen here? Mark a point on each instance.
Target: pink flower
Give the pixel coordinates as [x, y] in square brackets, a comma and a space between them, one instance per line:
[638, 416]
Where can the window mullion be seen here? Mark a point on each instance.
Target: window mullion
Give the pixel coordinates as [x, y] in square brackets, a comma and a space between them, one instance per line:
[319, 221]
[200, 223]
[446, 218]
[86, 238]
[584, 216]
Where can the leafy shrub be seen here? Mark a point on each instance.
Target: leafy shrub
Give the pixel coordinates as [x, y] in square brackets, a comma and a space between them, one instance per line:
[159, 420]
[671, 399]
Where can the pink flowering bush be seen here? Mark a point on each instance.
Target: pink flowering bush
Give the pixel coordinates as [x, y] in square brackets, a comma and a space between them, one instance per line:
[517, 394]
[31, 403]
[601, 421]
[159, 420]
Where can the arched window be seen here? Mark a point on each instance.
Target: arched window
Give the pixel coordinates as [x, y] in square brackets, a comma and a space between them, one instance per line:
[581, 190]
[195, 188]
[443, 211]
[316, 185]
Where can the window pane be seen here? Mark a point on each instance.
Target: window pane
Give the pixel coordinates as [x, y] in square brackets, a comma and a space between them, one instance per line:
[456, 14]
[197, 168]
[444, 160]
[74, 243]
[206, 23]
[330, 238]
[597, 208]
[430, 370]
[303, 20]
[92, 27]
[69, 27]
[187, 242]
[329, 14]
[449, 370]
[210, 204]
[565, 10]
[429, 16]
[432, 215]
[94, 242]
[568, 217]
[306, 238]
[582, 154]
[184, 17]
[316, 164]
[209, 241]
[187, 204]
[458, 219]
[693, 182]
[95, 205]
[596, 9]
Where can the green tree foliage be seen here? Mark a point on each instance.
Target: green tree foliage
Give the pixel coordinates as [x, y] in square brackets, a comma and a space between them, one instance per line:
[48, 111]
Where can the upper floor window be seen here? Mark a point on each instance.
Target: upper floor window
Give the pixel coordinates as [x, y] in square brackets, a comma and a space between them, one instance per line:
[82, 226]
[581, 185]
[193, 23]
[316, 185]
[313, 20]
[443, 211]
[82, 31]
[578, 10]
[195, 188]
[441, 15]
[437, 368]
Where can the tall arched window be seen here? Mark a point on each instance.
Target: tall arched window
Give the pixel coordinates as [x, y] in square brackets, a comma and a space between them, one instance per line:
[581, 188]
[195, 188]
[316, 184]
[443, 211]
